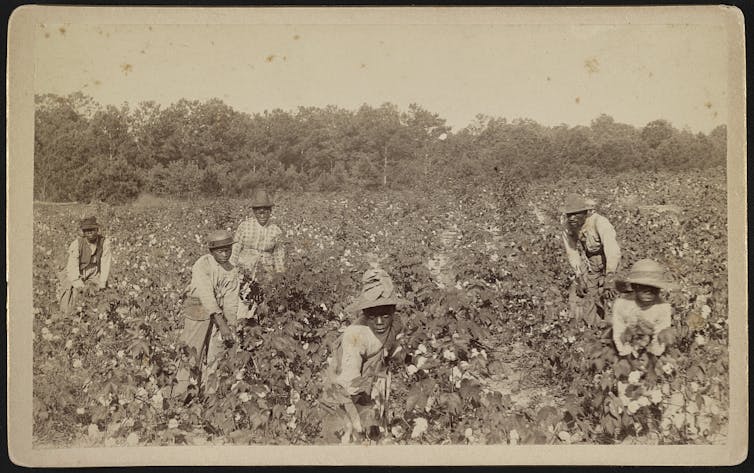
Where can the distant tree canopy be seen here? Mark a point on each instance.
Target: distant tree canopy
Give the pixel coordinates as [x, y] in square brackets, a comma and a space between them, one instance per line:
[84, 151]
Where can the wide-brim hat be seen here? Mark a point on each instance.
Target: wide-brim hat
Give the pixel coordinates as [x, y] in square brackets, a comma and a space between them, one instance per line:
[219, 239]
[88, 223]
[575, 203]
[261, 198]
[648, 272]
[377, 290]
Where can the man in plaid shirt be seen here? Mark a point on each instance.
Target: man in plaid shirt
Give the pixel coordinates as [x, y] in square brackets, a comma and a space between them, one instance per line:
[259, 241]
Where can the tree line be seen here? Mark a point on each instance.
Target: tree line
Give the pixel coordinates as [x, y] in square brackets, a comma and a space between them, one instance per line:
[84, 151]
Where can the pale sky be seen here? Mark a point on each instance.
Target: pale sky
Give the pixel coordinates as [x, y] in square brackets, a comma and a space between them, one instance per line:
[551, 73]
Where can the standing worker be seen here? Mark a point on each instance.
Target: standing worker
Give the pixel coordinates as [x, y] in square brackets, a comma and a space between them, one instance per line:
[258, 245]
[212, 301]
[357, 382]
[594, 254]
[257, 241]
[88, 264]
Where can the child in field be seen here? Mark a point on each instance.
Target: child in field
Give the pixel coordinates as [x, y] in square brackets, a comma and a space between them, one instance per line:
[212, 301]
[641, 319]
[357, 383]
[88, 263]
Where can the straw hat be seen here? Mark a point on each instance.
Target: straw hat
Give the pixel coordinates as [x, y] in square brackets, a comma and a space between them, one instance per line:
[88, 223]
[377, 290]
[649, 273]
[260, 199]
[219, 239]
[575, 203]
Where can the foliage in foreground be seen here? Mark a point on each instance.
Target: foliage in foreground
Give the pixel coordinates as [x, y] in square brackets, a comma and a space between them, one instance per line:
[103, 376]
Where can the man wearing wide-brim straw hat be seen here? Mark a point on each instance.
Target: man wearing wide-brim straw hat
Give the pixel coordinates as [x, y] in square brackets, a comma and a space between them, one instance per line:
[641, 319]
[88, 262]
[593, 252]
[357, 383]
[209, 310]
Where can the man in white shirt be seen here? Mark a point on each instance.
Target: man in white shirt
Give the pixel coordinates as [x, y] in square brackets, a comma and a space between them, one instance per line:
[88, 264]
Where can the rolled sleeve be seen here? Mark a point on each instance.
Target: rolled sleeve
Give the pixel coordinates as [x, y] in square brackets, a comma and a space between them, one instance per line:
[572, 252]
[351, 361]
[238, 245]
[663, 321]
[619, 328]
[105, 263]
[72, 263]
[610, 246]
[201, 281]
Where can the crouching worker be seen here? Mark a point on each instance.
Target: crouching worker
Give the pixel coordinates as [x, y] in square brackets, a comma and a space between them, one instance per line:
[209, 310]
[357, 381]
[641, 319]
[87, 264]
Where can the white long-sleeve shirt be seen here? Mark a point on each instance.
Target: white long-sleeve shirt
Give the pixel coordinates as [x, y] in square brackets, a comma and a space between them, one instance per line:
[98, 275]
[215, 287]
[626, 313]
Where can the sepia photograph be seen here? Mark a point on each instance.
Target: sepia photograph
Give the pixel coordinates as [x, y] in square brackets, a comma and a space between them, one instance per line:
[384, 236]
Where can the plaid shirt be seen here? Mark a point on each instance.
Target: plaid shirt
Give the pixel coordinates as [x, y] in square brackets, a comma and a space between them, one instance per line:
[255, 243]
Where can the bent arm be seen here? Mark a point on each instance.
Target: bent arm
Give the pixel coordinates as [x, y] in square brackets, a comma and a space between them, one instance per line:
[72, 263]
[201, 281]
[572, 252]
[619, 328]
[350, 362]
[238, 245]
[610, 246]
[105, 263]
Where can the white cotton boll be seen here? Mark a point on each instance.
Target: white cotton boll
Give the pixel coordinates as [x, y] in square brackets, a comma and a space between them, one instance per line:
[634, 377]
[411, 369]
[468, 433]
[132, 440]
[513, 437]
[449, 355]
[700, 340]
[420, 426]
[420, 362]
[706, 311]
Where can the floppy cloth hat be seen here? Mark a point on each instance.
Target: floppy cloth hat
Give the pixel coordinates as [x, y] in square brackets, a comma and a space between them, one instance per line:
[649, 273]
[219, 239]
[575, 203]
[377, 290]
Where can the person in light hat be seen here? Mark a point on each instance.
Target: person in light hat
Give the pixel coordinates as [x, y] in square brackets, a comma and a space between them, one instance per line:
[257, 240]
[594, 254]
[641, 319]
[89, 259]
[210, 308]
[357, 382]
